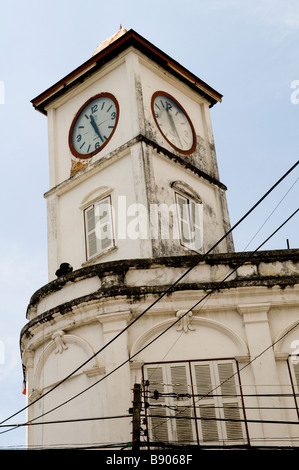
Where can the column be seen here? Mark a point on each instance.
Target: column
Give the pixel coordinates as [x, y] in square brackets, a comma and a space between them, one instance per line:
[119, 389]
[263, 366]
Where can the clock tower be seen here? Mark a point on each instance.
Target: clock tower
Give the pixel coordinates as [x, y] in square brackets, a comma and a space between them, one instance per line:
[134, 197]
[131, 129]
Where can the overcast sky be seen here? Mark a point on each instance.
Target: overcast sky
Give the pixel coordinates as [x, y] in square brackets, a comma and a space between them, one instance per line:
[248, 50]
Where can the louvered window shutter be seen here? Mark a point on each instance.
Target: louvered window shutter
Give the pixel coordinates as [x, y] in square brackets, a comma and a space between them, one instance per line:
[196, 225]
[190, 222]
[158, 422]
[208, 391]
[295, 366]
[181, 404]
[230, 406]
[99, 227]
[104, 224]
[184, 219]
[90, 232]
[296, 373]
[206, 403]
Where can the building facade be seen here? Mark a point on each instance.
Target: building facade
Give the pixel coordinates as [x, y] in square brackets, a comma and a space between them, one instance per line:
[144, 284]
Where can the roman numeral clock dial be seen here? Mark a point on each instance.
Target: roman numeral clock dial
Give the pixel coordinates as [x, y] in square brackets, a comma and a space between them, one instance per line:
[173, 123]
[93, 125]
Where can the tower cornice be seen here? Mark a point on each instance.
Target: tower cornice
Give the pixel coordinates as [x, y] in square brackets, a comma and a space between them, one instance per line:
[129, 39]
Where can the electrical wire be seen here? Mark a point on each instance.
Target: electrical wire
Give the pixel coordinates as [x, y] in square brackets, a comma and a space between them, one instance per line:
[159, 298]
[65, 421]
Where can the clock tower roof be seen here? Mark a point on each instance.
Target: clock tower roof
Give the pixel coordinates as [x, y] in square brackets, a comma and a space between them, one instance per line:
[110, 40]
[109, 49]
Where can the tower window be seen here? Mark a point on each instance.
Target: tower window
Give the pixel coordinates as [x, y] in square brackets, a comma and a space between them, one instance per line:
[98, 227]
[190, 222]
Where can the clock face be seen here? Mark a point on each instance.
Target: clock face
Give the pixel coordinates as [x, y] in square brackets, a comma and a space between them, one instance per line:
[173, 122]
[94, 125]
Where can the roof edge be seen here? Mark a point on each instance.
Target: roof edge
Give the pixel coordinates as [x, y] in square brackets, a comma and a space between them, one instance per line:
[130, 38]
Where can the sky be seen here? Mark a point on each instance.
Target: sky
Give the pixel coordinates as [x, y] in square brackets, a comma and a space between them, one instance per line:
[248, 50]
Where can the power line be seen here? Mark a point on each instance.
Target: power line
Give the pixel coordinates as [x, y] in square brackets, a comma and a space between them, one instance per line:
[160, 297]
[64, 421]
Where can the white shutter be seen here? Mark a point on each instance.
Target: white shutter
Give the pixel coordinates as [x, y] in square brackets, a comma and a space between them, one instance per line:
[190, 222]
[91, 239]
[104, 224]
[184, 219]
[183, 424]
[196, 225]
[216, 383]
[158, 426]
[99, 227]
[213, 399]
[295, 374]
[205, 403]
[231, 406]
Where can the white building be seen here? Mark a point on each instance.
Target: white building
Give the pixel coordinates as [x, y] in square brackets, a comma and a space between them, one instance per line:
[135, 203]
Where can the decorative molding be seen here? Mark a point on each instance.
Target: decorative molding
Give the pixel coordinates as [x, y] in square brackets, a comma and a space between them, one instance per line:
[58, 340]
[254, 313]
[95, 195]
[285, 333]
[186, 189]
[281, 356]
[57, 345]
[185, 322]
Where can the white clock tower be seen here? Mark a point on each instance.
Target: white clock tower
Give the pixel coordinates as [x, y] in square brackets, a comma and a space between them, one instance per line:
[134, 196]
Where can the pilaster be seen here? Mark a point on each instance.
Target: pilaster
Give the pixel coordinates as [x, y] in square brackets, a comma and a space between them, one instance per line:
[263, 365]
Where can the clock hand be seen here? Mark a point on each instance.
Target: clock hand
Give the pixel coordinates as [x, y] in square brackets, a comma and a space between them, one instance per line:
[173, 126]
[96, 129]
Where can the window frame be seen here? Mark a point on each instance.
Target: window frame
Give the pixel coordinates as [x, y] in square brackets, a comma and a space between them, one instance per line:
[100, 250]
[168, 429]
[189, 220]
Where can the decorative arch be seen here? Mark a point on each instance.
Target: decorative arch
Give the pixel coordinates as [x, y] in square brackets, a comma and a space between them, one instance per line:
[58, 345]
[285, 338]
[188, 328]
[94, 195]
[186, 189]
